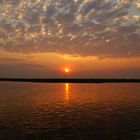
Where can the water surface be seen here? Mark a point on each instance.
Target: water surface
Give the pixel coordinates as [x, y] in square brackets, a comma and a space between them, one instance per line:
[69, 111]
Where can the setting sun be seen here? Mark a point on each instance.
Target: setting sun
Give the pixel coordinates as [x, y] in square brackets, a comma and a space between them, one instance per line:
[67, 70]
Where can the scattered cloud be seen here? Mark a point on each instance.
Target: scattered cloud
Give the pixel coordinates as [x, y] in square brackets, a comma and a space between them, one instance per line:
[107, 28]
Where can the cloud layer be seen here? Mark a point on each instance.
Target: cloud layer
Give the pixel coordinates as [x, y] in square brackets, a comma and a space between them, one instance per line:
[103, 28]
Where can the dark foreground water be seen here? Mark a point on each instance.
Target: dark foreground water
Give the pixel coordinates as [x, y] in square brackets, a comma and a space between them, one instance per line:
[42, 111]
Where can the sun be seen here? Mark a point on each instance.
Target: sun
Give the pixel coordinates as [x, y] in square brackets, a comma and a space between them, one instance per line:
[66, 70]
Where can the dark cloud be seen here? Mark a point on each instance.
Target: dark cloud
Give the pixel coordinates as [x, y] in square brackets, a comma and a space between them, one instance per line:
[11, 60]
[107, 28]
[24, 69]
[19, 70]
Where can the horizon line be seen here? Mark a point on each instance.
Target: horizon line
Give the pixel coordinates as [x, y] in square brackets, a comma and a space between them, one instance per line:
[73, 80]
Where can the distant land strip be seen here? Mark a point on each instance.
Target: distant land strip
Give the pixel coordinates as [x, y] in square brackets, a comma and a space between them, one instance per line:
[71, 80]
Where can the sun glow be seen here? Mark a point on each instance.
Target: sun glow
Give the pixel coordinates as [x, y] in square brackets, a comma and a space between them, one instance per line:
[67, 70]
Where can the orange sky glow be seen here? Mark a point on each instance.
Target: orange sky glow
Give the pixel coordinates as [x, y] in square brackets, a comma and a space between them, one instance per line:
[56, 65]
[91, 38]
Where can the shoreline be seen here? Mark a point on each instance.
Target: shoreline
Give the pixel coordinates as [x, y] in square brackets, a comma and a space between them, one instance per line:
[58, 80]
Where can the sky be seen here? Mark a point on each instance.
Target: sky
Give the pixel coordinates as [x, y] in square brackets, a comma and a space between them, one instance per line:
[93, 38]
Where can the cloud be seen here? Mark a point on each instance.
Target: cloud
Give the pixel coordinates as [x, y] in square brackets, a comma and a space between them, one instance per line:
[107, 28]
[20, 70]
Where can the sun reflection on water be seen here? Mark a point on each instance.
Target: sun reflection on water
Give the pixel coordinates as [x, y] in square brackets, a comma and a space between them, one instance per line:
[67, 91]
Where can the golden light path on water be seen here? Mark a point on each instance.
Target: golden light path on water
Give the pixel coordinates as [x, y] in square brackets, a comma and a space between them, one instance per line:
[67, 91]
